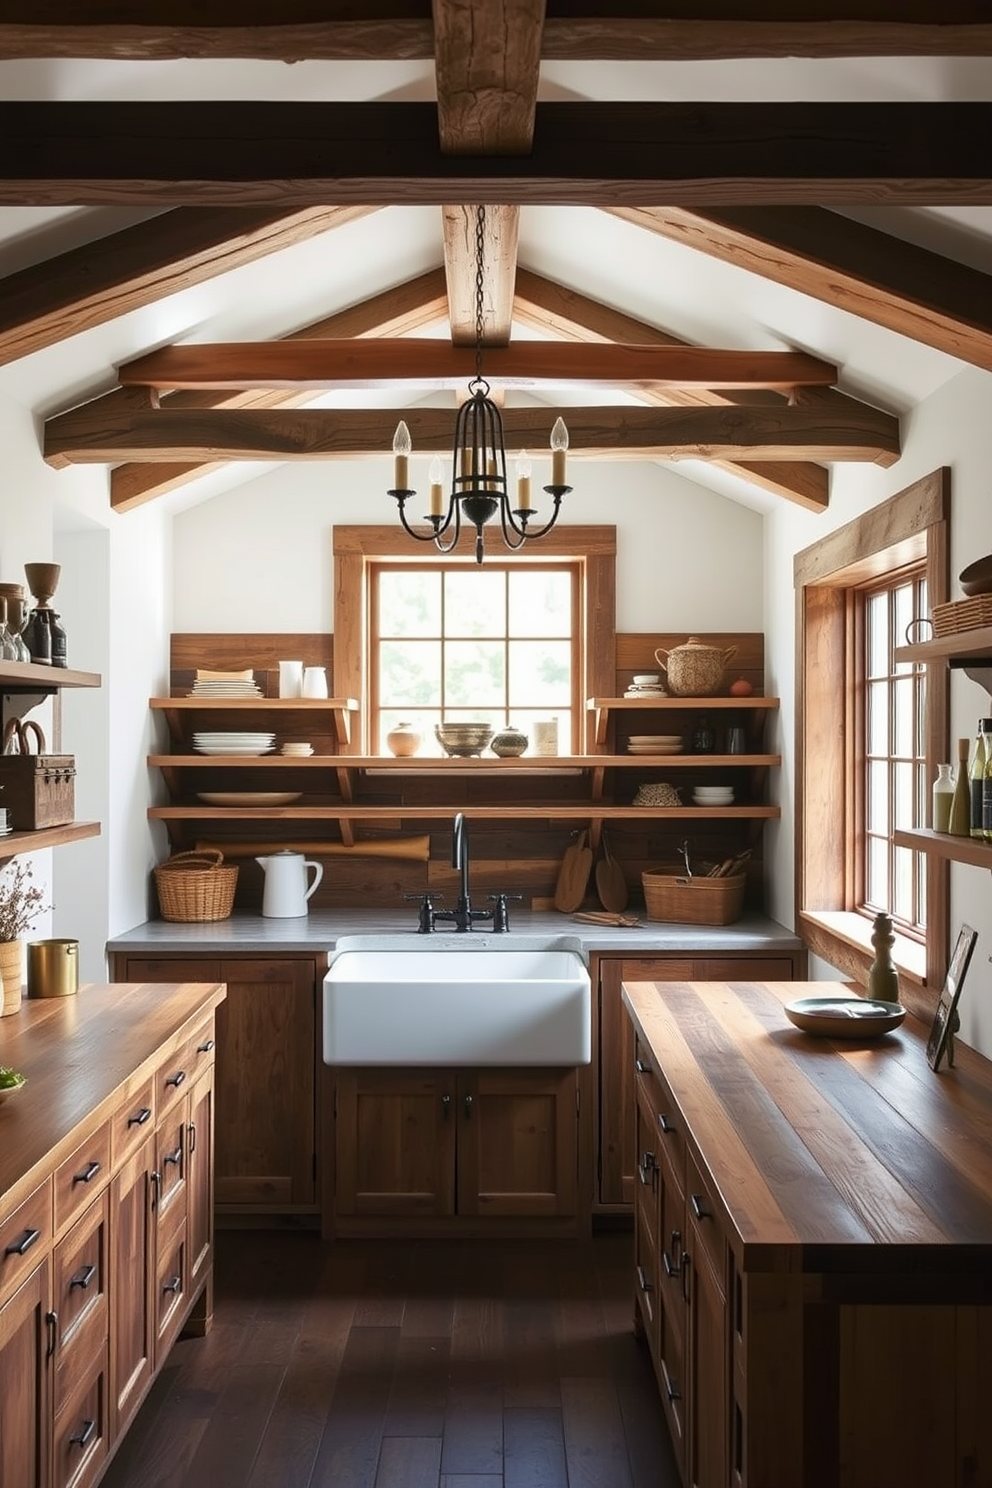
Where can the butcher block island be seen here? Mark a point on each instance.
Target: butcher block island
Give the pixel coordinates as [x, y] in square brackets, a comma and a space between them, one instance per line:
[813, 1238]
[106, 1216]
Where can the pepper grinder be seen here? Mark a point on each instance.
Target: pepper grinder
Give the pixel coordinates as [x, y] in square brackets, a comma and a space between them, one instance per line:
[883, 979]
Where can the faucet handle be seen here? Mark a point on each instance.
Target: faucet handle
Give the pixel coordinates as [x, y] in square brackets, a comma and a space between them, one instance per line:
[425, 920]
[501, 914]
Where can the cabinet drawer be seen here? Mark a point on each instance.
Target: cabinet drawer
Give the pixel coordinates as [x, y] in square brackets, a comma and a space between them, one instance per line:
[170, 1286]
[25, 1237]
[79, 1274]
[176, 1073]
[82, 1176]
[742, 969]
[130, 1125]
[703, 1212]
[81, 1430]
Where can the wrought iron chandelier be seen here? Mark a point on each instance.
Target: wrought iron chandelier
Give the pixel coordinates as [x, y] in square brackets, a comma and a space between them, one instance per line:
[478, 463]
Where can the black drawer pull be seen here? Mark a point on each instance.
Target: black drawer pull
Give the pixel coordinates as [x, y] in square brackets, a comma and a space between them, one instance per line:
[173, 1284]
[205, 1047]
[641, 1067]
[665, 1124]
[191, 1128]
[672, 1391]
[175, 1157]
[145, 1114]
[673, 1268]
[177, 1079]
[646, 1167]
[88, 1174]
[25, 1243]
[83, 1277]
[52, 1319]
[83, 1436]
[642, 1280]
[700, 1208]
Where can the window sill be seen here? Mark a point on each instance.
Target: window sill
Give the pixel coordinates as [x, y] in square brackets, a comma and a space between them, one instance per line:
[844, 939]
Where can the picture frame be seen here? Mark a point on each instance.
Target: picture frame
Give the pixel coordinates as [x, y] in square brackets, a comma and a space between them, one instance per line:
[941, 1040]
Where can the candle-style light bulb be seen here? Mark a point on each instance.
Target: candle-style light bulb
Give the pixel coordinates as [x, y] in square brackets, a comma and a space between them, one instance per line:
[523, 481]
[435, 476]
[402, 445]
[559, 444]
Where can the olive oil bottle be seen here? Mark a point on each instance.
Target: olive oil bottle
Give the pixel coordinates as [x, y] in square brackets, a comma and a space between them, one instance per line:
[960, 822]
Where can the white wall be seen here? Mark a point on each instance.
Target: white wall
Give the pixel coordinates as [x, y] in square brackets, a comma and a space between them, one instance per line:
[951, 428]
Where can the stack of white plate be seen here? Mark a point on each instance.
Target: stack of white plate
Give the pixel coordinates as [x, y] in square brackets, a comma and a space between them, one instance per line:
[225, 690]
[233, 743]
[713, 795]
[655, 744]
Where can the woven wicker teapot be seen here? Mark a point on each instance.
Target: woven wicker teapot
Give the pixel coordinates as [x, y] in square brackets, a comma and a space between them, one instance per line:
[694, 669]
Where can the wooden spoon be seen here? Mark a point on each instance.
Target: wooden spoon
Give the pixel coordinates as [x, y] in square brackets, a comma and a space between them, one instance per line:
[611, 886]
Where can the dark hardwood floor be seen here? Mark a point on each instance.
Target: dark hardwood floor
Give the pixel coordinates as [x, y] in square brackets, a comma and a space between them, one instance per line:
[407, 1365]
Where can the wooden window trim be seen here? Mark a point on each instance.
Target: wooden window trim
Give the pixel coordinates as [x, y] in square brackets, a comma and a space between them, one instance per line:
[356, 549]
[910, 527]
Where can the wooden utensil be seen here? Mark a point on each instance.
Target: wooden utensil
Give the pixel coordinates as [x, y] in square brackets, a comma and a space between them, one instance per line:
[573, 875]
[611, 886]
[604, 917]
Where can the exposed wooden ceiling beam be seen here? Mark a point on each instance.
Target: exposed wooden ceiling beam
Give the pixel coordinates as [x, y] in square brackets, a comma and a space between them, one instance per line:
[609, 433]
[873, 275]
[602, 154]
[433, 365]
[486, 59]
[563, 312]
[407, 308]
[91, 285]
[288, 30]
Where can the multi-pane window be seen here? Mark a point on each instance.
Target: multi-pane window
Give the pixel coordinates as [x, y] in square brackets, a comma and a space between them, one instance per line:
[895, 781]
[452, 643]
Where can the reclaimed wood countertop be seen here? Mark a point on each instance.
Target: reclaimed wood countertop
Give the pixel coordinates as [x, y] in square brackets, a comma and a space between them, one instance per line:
[80, 1055]
[824, 1147]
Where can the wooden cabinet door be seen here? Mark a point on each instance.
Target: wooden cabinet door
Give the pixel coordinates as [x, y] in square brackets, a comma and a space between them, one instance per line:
[708, 1363]
[395, 1142]
[518, 1142]
[25, 1396]
[265, 1119]
[200, 1198]
[131, 1278]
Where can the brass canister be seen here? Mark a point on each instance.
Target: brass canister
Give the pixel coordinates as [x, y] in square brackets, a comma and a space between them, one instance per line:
[53, 968]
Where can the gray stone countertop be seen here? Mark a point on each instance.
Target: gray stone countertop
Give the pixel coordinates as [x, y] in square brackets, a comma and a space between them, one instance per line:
[321, 928]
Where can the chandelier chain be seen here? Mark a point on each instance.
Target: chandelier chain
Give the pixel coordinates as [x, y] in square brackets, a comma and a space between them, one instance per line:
[480, 251]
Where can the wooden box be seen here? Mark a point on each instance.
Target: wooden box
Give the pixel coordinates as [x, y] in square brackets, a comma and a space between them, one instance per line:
[38, 790]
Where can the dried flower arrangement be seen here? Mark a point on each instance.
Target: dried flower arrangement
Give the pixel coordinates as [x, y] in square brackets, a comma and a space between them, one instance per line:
[20, 900]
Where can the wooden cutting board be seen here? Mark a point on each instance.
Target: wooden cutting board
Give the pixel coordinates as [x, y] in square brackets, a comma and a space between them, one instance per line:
[611, 886]
[573, 875]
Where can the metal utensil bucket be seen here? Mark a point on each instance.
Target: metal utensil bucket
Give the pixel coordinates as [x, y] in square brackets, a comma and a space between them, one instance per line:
[53, 968]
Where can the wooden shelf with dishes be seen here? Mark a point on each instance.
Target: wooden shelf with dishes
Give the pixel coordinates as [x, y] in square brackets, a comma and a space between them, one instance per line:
[969, 651]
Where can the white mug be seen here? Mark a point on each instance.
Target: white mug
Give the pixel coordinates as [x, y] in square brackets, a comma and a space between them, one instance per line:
[545, 734]
[4, 819]
[314, 682]
[291, 679]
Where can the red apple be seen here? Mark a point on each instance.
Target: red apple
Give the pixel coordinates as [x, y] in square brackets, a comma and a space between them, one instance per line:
[741, 688]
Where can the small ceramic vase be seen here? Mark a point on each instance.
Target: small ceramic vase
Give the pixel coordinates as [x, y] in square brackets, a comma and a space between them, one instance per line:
[403, 740]
[509, 743]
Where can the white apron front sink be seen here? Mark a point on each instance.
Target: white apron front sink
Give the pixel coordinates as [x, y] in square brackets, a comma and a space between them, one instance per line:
[472, 999]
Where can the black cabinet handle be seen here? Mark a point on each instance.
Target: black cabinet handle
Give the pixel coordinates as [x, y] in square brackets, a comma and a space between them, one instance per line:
[52, 1319]
[672, 1390]
[642, 1280]
[673, 1267]
[665, 1124]
[175, 1157]
[641, 1067]
[142, 1116]
[468, 1105]
[646, 1167]
[191, 1128]
[700, 1208]
[177, 1079]
[173, 1284]
[88, 1174]
[24, 1244]
[205, 1048]
[83, 1436]
[446, 1106]
[83, 1277]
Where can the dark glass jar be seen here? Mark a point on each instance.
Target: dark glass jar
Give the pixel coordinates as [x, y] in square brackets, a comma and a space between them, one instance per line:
[59, 643]
[38, 636]
[703, 737]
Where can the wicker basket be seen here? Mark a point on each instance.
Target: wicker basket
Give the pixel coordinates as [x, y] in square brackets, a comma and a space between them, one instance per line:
[194, 887]
[692, 901]
[962, 614]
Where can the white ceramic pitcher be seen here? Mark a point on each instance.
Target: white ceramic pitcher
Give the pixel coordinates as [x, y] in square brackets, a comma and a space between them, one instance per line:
[286, 893]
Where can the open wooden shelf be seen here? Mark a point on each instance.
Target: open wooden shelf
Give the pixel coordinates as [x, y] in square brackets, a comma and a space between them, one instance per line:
[571, 811]
[376, 764]
[957, 648]
[246, 711]
[23, 842]
[26, 676]
[943, 845]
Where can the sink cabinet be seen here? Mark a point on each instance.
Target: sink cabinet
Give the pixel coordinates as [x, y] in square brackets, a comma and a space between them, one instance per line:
[456, 1151]
[617, 1153]
[266, 1073]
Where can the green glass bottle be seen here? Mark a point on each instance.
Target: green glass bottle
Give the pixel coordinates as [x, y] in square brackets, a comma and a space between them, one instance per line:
[976, 778]
[960, 822]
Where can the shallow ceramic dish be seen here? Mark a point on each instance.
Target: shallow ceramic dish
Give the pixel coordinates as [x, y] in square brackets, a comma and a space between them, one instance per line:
[15, 1081]
[977, 577]
[249, 798]
[844, 1017]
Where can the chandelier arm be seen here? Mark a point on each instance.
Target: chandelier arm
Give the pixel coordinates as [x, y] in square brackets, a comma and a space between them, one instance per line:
[509, 525]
